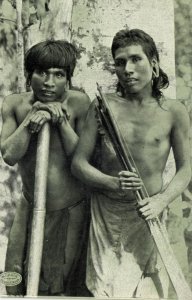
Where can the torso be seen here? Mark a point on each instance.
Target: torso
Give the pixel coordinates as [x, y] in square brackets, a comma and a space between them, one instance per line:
[63, 189]
[146, 131]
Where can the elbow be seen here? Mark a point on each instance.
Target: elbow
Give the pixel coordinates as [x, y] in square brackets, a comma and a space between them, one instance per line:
[74, 167]
[7, 158]
[9, 161]
[189, 174]
[186, 176]
[77, 168]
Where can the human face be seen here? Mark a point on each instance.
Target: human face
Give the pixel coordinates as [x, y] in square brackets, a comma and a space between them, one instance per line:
[49, 85]
[133, 69]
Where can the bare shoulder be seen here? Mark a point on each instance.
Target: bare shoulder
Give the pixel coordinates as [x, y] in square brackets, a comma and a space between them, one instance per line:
[177, 110]
[15, 100]
[11, 101]
[115, 98]
[78, 100]
[112, 96]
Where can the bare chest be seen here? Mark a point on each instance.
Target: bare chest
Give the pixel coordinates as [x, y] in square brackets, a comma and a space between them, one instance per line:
[143, 127]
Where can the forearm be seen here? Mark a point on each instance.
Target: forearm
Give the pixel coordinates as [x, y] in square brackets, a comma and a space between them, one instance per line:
[177, 185]
[93, 177]
[68, 137]
[15, 146]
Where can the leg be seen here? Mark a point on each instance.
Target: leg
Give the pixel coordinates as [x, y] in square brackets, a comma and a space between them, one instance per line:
[155, 281]
[63, 243]
[76, 250]
[16, 245]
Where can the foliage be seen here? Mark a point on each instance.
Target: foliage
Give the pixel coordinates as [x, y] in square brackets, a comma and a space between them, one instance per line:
[183, 41]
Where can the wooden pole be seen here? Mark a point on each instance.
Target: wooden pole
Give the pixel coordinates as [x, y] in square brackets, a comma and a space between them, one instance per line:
[39, 211]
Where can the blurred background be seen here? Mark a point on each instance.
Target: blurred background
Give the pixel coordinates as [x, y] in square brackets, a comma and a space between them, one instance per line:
[90, 25]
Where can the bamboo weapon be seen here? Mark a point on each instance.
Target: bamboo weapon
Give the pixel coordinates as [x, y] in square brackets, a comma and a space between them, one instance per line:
[39, 210]
[157, 229]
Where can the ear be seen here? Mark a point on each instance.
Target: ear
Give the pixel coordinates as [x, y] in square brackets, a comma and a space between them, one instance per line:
[155, 66]
[28, 81]
[67, 85]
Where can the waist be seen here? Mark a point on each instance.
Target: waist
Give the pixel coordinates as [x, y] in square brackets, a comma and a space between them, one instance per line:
[132, 196]
[114, 205]
[57, 199]
[123, 197]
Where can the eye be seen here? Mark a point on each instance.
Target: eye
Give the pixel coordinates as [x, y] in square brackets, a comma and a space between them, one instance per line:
[136, 59]
[119, 63]
[60, 75]
[42, 73]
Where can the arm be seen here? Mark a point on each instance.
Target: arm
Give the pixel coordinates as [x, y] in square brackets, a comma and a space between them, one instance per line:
[81, 166]
[153, 206]
[70, 136]
[14, 139]
[60, 116]
[181, 150]
[87, 173]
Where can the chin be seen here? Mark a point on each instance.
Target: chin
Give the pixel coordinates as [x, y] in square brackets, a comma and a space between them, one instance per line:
[46, 99]
[132, 91]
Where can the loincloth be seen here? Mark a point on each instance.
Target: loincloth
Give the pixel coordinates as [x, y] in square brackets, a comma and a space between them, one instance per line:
[52, 277]
[121, 248]
[53, 257]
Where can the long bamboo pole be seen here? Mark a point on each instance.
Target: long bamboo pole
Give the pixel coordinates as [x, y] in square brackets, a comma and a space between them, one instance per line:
[39, 211]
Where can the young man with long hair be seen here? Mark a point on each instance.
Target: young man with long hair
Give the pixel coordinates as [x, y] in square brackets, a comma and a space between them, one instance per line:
[122, 254]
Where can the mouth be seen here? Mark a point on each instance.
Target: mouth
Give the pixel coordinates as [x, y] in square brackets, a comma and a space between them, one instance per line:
[131, 80]
[48, 93]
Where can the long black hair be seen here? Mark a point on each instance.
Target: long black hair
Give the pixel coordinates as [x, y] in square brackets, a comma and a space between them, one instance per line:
[128, 37]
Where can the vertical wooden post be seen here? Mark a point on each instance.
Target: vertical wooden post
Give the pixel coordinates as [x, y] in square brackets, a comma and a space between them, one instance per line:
[20, 48]
[56, 24]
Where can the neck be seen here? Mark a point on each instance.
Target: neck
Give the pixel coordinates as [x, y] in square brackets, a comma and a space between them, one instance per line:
[142, 96]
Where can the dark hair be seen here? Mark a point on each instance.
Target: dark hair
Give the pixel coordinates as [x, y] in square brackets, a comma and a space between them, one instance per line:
[51, 54]
[128, 37]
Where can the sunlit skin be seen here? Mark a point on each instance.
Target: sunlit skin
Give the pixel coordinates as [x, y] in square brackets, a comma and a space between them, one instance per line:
[149, 131]
[49, 66]
[49, 85]
[134, 71]
[23, 116]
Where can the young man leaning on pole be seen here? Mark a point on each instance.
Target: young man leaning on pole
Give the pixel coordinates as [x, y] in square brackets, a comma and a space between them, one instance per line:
[49, 66]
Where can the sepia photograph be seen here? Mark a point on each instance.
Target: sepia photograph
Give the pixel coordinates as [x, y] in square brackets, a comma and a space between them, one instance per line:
[95, 149]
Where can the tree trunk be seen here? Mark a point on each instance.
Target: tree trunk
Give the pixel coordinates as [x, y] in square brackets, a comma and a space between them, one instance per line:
[55, 24]
[20, 48]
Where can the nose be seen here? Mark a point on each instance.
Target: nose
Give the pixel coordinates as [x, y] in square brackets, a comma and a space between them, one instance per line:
[49, 80]
[129, 67]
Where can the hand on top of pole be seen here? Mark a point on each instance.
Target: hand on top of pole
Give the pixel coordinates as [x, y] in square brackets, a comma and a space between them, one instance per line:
[45, 112]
